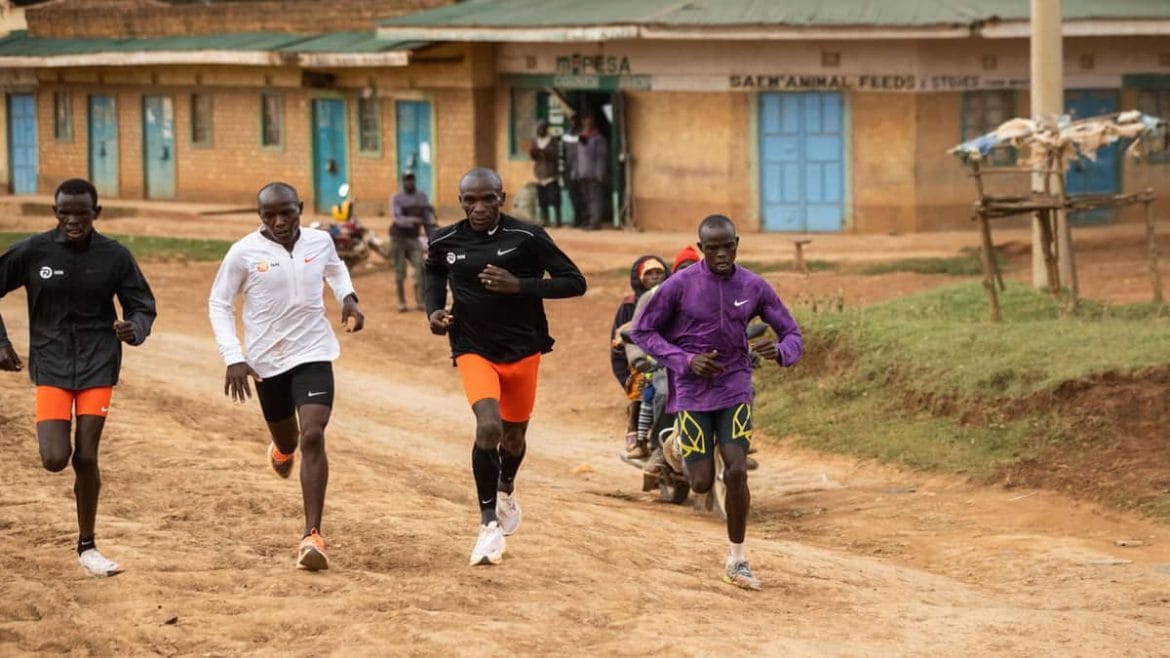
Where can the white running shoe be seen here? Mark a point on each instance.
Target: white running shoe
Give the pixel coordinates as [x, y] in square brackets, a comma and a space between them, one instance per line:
[97, 565]
[508, 511]
[740, 575]
[489, 548]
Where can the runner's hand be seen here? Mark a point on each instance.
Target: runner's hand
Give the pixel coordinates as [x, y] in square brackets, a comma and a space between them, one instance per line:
[236, 381]
[349, 309]
[125, 331]
[769, 350]
[441, 321]
[704, 365]
[9, 360]
[497, 279]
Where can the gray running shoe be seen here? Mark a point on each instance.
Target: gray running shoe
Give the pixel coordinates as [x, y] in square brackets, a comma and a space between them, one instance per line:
[740, 575]
[508, 511]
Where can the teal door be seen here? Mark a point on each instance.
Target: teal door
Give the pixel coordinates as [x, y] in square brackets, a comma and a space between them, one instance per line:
[415, 149]
[1100, 176]
[330, 167]
[802, 171]
[22, 143]
[158, 146]
[103, 145]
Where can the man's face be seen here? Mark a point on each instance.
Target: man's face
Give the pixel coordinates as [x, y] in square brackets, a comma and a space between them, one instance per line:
[280, 211]
[408, 184]
[653, 277]
[719, 244]
[75, 214]
[481, 201]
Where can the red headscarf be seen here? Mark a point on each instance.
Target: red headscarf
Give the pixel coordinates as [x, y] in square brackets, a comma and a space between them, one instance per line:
[686, 253]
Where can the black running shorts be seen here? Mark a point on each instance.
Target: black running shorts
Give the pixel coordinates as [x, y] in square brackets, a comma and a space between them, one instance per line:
[699, 431]
[281, 395]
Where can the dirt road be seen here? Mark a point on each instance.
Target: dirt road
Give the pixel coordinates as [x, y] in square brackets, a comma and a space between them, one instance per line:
[856, 558]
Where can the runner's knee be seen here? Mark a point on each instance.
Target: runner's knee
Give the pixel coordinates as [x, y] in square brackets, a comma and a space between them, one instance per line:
[735, 475]
[701, 482]
[84, 462]
[488, 434]
[312, 439]
[55, 462]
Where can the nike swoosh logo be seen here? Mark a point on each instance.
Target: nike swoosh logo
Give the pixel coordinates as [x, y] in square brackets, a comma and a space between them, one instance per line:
[501, 252]
[313, 395]
[485, 502]
[740, 303]
[105, 410]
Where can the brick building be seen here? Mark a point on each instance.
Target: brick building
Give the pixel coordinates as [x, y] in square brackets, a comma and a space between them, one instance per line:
[207, 101]
[804, 115]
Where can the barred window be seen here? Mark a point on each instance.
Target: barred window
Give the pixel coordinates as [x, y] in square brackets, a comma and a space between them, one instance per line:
[201, 119]
[369, 125]
[62, 116]
[271, 119]
[984, 111]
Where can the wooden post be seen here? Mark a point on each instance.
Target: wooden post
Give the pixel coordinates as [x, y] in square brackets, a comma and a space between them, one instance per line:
[979, 189]
[1046, 248]
[1152, 245]
[801, 266]
[989, 268]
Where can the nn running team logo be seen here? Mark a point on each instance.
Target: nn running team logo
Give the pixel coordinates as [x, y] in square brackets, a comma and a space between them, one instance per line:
[47, 272]
[264, 266]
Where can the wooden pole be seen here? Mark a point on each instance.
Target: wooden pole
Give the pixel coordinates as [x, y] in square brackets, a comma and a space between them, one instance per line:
[1152, 245]
[990, 249]
[989, 268]
[1047, 249]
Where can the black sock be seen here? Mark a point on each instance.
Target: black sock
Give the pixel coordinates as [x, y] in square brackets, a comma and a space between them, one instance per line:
[485, 464]
[509, 464]
[84, 544]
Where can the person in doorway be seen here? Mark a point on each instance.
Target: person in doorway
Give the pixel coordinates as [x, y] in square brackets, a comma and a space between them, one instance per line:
[571, 141]
[646, 272]
[288, 343]
[496, 267]
[546, 155]
[591, 171]
[412, 212]
[71, 275]
[695, 325]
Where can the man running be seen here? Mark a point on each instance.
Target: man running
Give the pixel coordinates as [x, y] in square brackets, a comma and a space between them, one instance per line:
[288, 343]
[72, 275]
[695, 325]
[496, 267]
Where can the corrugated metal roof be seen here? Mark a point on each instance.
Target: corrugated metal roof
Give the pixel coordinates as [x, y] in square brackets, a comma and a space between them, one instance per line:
[21, 44]
[806, 13]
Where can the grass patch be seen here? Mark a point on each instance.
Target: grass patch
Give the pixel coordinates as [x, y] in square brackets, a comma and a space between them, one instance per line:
[968, 263]
[871, 378]
[146, 247]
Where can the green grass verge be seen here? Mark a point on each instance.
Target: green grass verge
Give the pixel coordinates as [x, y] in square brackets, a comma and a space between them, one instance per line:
[968, 263]
[871, 377]
[145, 247]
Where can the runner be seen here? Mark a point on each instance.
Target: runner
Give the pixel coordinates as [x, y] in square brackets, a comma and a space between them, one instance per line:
[289, 345]
[495, 265]
[695, 325]
[71, 275]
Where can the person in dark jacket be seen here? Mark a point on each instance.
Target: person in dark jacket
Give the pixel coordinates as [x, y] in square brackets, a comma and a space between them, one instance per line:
[71, 276]
[496, 267]
[646, 272]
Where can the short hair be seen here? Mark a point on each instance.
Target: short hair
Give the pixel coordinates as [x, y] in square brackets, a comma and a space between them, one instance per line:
[484, 173]
[714, 221]
[277, 184]
[77, 186]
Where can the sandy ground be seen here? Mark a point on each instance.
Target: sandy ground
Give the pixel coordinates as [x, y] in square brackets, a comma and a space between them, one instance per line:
[857, 558]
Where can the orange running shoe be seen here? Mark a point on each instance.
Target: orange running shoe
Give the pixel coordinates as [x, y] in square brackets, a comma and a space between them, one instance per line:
[311, 556]
[281, 463]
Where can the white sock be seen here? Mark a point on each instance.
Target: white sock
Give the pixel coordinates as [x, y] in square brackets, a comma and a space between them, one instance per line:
[736, 554]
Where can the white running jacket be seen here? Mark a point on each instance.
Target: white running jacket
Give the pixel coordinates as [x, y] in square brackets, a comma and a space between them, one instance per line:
[284, 308]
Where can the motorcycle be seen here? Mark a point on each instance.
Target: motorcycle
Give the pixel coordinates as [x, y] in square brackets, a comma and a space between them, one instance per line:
[353, 240]
[668, 476]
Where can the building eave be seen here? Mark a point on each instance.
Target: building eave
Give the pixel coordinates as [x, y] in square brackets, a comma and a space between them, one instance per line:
[235, 57]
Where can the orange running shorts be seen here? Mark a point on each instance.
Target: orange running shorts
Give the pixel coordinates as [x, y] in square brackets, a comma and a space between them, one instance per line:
[58, 404]
[513, 384]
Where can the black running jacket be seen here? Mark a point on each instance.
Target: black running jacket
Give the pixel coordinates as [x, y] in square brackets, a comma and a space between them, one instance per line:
[502, 328]
[71, 289]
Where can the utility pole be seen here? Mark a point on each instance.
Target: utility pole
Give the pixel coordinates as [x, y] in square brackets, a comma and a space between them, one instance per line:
[1047, 58]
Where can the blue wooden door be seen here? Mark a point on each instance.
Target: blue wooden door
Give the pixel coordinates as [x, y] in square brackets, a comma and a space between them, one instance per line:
[102, 118]
[22, 143]
[158, 146]
[802, 172]
[330, 166]
[1104, 175]
[415, 148]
